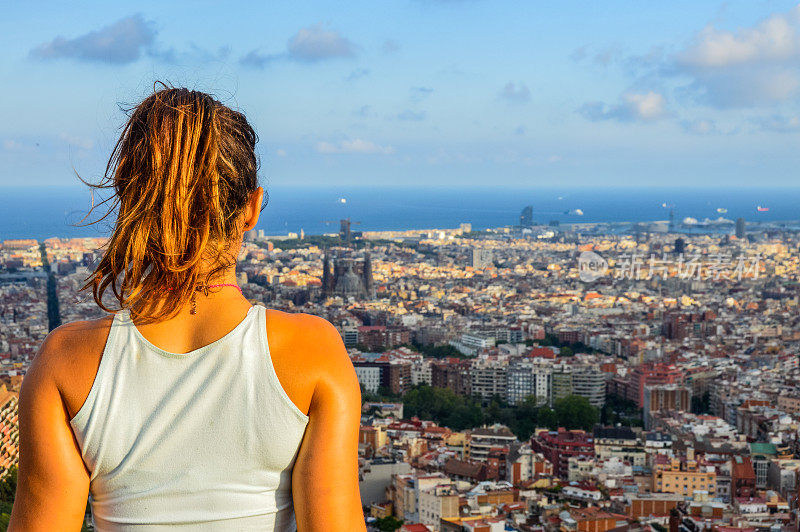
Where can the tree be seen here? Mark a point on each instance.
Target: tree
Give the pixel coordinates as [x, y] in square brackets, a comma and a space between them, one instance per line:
[575, 412]
[388, 524]
[548, 418]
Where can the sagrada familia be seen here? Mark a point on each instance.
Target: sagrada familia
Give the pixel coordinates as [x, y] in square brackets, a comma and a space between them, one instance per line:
[349, 277]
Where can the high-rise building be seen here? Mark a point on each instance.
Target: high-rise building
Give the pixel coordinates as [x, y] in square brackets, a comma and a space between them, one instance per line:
[562, 382]
[526, 217]
[525, 378]
[589, 382]
[488, 378]
[651, 373]
[665, 398]
[344, 231]
[740, 228]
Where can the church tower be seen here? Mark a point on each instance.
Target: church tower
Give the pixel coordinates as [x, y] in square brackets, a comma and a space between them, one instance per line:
[327, 277]
[369, 286]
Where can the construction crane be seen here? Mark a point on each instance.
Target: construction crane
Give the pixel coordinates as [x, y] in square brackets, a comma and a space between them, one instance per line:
[345, 235]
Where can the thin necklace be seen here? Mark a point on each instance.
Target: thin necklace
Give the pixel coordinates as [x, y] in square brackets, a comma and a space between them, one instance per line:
[204, 289]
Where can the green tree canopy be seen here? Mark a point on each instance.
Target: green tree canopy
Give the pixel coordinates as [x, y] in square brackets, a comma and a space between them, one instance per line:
[575, 412]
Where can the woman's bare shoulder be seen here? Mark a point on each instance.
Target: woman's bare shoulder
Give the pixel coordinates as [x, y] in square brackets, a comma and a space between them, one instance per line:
[302, 329]
[69, 358]
[308, 342]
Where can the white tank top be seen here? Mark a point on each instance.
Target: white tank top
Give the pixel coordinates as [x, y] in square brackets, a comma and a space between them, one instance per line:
[204, 440]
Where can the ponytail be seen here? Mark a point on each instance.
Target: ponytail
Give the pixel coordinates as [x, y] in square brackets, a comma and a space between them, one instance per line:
[181, 172]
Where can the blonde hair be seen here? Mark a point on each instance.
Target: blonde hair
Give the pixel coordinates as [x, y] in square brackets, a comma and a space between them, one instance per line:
[181, 173]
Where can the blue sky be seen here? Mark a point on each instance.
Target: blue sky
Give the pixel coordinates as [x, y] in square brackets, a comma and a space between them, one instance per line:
[423, 92]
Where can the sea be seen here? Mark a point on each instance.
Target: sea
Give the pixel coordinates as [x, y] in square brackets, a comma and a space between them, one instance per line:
[40, 213]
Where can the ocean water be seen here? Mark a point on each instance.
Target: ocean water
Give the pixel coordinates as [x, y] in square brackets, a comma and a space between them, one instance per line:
[49, 212]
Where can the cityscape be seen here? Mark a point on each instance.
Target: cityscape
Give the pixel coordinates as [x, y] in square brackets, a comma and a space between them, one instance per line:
[560, 242]
[530, 377]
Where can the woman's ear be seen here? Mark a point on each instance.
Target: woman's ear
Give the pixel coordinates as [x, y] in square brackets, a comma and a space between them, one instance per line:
[253, 209]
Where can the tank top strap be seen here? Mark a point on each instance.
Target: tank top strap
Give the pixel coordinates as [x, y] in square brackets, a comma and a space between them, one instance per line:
[118, 336]
[269, 366]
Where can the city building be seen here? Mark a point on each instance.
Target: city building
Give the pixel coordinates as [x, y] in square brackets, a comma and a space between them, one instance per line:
[559, 446]
[665, 398]
[683, 475]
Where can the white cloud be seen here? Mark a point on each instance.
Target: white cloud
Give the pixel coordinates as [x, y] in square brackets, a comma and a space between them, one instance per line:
[747, 67]
[280, 152]
[775, 39]
[353, 146]
[648, 106]
[645, 107]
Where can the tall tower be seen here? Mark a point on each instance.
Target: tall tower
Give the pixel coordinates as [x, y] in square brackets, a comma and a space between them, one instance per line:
[740, 228]
[369, 285]
[526, 217]
[344, 231]
[327, 278]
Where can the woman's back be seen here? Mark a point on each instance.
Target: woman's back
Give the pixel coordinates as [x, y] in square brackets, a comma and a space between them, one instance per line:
[189, 418]
[189, 440]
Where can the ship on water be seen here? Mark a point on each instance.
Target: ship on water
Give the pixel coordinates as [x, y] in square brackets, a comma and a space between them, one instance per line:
[722, 210]
[762, 209]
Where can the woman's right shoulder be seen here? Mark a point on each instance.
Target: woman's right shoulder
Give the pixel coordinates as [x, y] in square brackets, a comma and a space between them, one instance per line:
[73, 341]
[68, 359]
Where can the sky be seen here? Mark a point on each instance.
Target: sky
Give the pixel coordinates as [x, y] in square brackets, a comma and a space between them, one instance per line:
[447, 93]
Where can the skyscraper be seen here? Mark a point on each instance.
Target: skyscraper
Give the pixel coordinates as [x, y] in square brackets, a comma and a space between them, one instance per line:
[740, 228]
[344, 230]
[526, 218]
